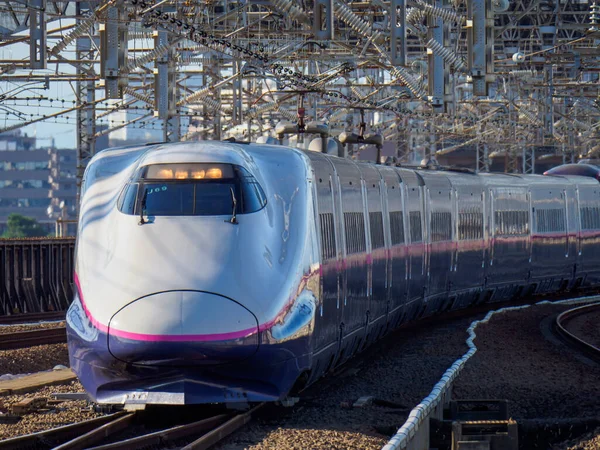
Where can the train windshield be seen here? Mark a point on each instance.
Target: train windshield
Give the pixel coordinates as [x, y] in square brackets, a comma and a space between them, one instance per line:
[193, 190]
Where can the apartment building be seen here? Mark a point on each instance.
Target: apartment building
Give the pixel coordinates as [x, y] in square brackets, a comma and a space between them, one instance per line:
[35, 182]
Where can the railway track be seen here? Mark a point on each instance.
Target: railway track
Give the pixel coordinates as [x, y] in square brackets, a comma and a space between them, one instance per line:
[23, 339]
[569, 326]
[106, 433]
[31, 317]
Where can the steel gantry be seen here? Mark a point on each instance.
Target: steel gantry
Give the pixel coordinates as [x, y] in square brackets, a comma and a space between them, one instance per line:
[473, 82]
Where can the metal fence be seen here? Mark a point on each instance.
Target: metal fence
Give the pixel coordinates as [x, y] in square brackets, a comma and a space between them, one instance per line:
[36, 275]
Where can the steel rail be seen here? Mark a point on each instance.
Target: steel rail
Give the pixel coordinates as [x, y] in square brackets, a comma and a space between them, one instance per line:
[576, 341]
[222, 431]
[49, 438]
[18, 319]
[23, 339]
[160, 438]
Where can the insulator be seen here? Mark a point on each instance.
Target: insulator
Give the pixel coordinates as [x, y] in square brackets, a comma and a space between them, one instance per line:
[287, 114]
[415, 16]
[449, 56]
[525, 73]
[337, 114]
[445, 14]
[81, 29]
[288, 7]
[408, 79]
[358, 92]
[159, 51]
[529, 116]
[211, 103]
[356, 23]
[196, 96]
[261, 109]
[144, 98]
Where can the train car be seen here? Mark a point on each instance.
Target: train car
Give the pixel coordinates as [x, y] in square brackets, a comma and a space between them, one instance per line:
[218, 272]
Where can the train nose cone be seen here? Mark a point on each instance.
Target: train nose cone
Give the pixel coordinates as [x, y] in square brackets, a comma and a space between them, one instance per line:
[183, 328]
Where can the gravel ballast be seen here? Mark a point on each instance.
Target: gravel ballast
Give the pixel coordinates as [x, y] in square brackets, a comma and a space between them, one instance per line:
[7, 329]
[33, 359]
[401, 369]
[51, 417]
[521, 360]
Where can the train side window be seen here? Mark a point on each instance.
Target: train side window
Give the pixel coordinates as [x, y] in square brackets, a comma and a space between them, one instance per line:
[416, 234]
[328, 247]
[441, 226]
[550, 220]
[397, 227]
[470, 224]
[511, 223]
[590, 217]
[354, 224]
[376, 221]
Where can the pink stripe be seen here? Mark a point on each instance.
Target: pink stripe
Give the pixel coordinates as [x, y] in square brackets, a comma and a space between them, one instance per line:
[183, 337]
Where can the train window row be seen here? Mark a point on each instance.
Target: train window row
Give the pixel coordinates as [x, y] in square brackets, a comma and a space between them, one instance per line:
[550, 220]
[511, 223]
[470, 224]
[376, 220]
[355, 232]
[397, 227]
[441, 226]
[328, 248]
[590, 217]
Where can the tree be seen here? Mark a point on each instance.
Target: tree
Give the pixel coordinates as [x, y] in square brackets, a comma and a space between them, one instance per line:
[19, 226]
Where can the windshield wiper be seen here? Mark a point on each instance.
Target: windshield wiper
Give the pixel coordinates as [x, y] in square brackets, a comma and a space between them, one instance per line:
[143, 206]
[233, 219]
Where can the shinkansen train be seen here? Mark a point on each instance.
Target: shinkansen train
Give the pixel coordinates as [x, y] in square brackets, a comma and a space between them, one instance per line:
[218, 272]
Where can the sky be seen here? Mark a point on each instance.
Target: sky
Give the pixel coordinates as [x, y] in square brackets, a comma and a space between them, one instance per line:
[63, 129]
[64, 134]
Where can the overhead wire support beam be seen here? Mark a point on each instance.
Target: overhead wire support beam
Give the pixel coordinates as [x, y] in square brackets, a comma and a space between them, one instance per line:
[85, 90]
[323, 20]
[37, 35]
[113, 52]
[480, 44]
[398, 32]
[436, 64]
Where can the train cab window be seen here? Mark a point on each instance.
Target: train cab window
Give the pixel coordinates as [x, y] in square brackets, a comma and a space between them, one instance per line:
[193, 189]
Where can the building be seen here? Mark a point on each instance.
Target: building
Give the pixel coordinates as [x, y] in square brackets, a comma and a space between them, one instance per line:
[63, 186]
[35, 182]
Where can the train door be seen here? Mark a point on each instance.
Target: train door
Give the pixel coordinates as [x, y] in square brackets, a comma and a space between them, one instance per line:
[378, 260]
[589, 212]
[328, 314]
[438, 201]
[355, 275]
[549, 264]
[573, 231]
[470, 256]
[414, 215]
[510, 251]
[398, 261]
